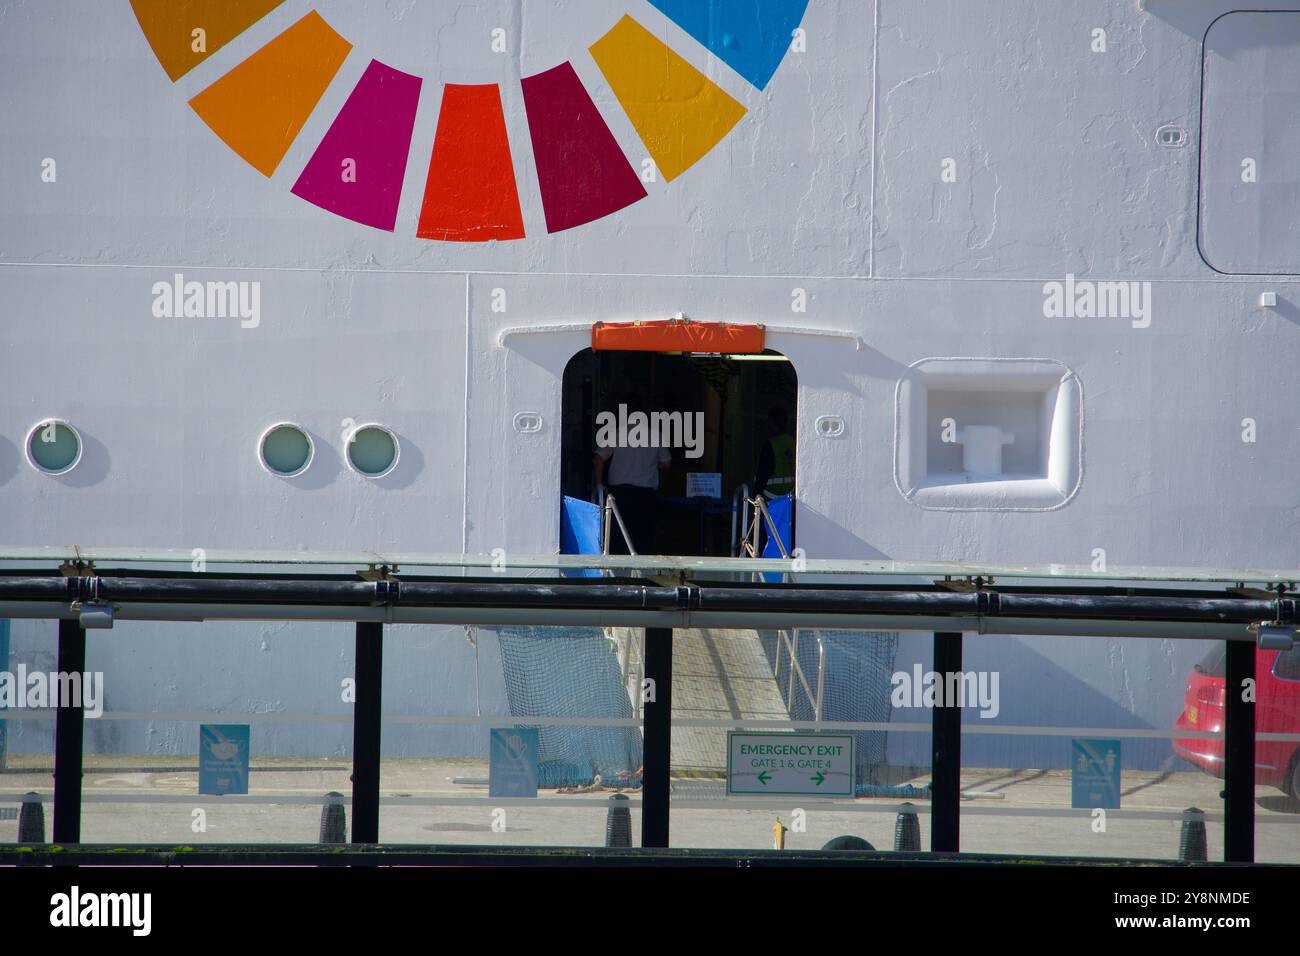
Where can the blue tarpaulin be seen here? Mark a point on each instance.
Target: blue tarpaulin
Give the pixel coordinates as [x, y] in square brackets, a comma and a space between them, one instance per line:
[782, 510]
[579, 531]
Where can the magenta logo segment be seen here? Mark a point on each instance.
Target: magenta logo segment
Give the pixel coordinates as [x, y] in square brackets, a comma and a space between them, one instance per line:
[357, 170]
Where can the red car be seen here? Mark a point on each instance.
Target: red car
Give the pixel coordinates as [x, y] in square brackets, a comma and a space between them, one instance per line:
[1277, 711]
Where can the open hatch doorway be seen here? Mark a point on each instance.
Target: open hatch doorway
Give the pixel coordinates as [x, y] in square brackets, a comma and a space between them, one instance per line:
[711, 414]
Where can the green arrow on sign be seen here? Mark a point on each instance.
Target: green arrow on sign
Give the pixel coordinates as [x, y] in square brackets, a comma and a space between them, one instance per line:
[763, 778]
[818, 778]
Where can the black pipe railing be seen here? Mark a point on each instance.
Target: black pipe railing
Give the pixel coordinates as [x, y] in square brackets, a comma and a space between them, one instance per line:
[1135, 605]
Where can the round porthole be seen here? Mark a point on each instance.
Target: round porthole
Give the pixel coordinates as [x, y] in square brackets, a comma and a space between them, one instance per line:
[53, 446]
[372, 450]
[286, 450]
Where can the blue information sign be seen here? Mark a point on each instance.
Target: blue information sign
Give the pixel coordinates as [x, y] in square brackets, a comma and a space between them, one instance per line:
[512, 762]
[1095, 774]
[223, 758]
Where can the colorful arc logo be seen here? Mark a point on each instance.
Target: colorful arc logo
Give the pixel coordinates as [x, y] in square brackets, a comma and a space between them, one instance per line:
[259, 107]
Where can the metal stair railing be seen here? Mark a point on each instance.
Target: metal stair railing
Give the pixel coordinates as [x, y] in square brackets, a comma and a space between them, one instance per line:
[739, 520]
[608, 508]
[787, 639]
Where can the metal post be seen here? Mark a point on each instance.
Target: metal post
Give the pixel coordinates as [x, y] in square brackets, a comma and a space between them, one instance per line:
[657, 750]
[4, 666]
[605, 522]
[945, 771]
[366, 723]
[821, 677]
[69, 726]
[737, 512]
[792, 648]
[622, 528]
[1239, 755]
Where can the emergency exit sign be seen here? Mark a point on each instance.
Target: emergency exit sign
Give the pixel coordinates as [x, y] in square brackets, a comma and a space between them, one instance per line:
[812, 765]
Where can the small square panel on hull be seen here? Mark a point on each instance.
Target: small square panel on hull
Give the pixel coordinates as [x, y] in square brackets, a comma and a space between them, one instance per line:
[1000, 434]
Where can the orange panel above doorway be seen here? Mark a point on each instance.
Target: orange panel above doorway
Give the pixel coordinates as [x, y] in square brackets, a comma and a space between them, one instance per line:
[676, 335]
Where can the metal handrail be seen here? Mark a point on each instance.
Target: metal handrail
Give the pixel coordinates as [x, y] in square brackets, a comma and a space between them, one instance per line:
[604, 520]
[749, 541]
[821, 677]
[796, 670]
[631, 663]
[739, 511]
[763, 515]
[792, 648]
[609, 507]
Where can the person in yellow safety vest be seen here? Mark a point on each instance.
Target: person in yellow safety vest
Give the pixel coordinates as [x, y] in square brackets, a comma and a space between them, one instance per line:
[775, 474]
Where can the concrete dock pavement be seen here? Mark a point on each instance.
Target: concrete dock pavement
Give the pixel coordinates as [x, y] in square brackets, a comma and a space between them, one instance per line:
[152, 799]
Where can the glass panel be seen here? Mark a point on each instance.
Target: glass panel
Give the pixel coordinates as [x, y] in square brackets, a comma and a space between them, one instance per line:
[1277, 756]
[512, 736]
[1100, 747]
[791, 736]
[26, 734]
[822, 734]
[272, 694]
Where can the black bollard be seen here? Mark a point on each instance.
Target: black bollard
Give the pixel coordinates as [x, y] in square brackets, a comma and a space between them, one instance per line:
[618, 822]
[848, 843]
[907, 830]
[1192, 844]
[31, 819]
[333, 819]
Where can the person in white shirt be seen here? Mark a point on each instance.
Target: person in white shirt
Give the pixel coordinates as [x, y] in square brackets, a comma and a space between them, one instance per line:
[631, 475]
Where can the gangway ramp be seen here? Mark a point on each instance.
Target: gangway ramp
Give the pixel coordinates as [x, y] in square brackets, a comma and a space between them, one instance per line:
[718, 675]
